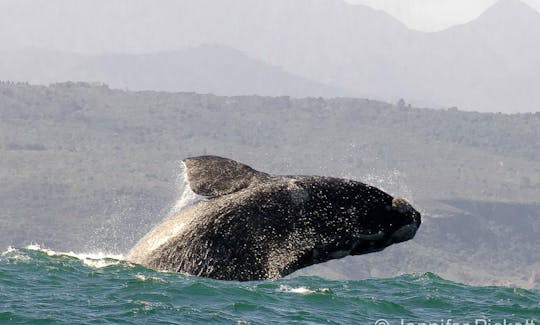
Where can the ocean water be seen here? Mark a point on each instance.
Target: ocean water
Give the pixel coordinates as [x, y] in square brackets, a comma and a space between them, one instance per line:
[39, 286]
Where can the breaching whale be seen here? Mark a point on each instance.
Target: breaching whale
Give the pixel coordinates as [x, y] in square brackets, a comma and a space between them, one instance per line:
[256, 226]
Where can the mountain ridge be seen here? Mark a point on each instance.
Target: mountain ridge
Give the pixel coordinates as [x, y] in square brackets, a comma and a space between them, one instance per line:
[205, 69]
[481, 65]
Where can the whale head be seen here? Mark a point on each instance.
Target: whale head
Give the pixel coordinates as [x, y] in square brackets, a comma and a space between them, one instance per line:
[391, 223]
[406, 218]
[354, 219]
[345, 217]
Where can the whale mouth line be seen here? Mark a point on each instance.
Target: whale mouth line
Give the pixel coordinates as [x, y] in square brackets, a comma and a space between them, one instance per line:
[404, 233]
[375, 236]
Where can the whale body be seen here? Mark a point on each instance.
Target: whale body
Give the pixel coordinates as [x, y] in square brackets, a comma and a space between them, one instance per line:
[255, 226]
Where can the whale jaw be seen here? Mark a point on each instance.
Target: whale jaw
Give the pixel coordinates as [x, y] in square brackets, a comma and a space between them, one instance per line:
[404, 233]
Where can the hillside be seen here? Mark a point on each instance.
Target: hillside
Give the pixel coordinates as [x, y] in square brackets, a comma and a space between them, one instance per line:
[86, 167]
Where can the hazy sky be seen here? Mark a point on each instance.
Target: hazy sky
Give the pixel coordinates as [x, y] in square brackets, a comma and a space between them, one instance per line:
[433, 15]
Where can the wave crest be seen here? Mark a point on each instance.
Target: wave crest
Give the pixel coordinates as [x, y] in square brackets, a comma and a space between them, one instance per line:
[95, 259]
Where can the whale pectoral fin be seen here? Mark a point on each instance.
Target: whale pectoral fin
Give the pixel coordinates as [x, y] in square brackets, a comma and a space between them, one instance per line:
[215, 176]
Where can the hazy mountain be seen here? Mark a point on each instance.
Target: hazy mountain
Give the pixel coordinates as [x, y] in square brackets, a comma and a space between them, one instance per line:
[206, 69]
[489, 64]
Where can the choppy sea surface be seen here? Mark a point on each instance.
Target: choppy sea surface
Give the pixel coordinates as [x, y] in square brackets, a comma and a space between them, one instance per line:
[39, 286]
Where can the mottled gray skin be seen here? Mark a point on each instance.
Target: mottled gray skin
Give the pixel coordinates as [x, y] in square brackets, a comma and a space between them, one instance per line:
[257, 226]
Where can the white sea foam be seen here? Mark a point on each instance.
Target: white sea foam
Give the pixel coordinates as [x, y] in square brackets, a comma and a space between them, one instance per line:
[95, 259]
[300, 290]
[145, 278]
[14, 254]
[9, 250]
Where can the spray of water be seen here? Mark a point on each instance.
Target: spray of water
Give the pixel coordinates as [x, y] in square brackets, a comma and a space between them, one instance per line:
[126, 222]
[393, 182]
[187, 197]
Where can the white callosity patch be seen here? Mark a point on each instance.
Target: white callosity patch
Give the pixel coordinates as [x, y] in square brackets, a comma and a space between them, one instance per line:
[298, 194]
[401, 205]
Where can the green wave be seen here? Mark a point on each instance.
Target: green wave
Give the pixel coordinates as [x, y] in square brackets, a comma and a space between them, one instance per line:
[40, 286]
